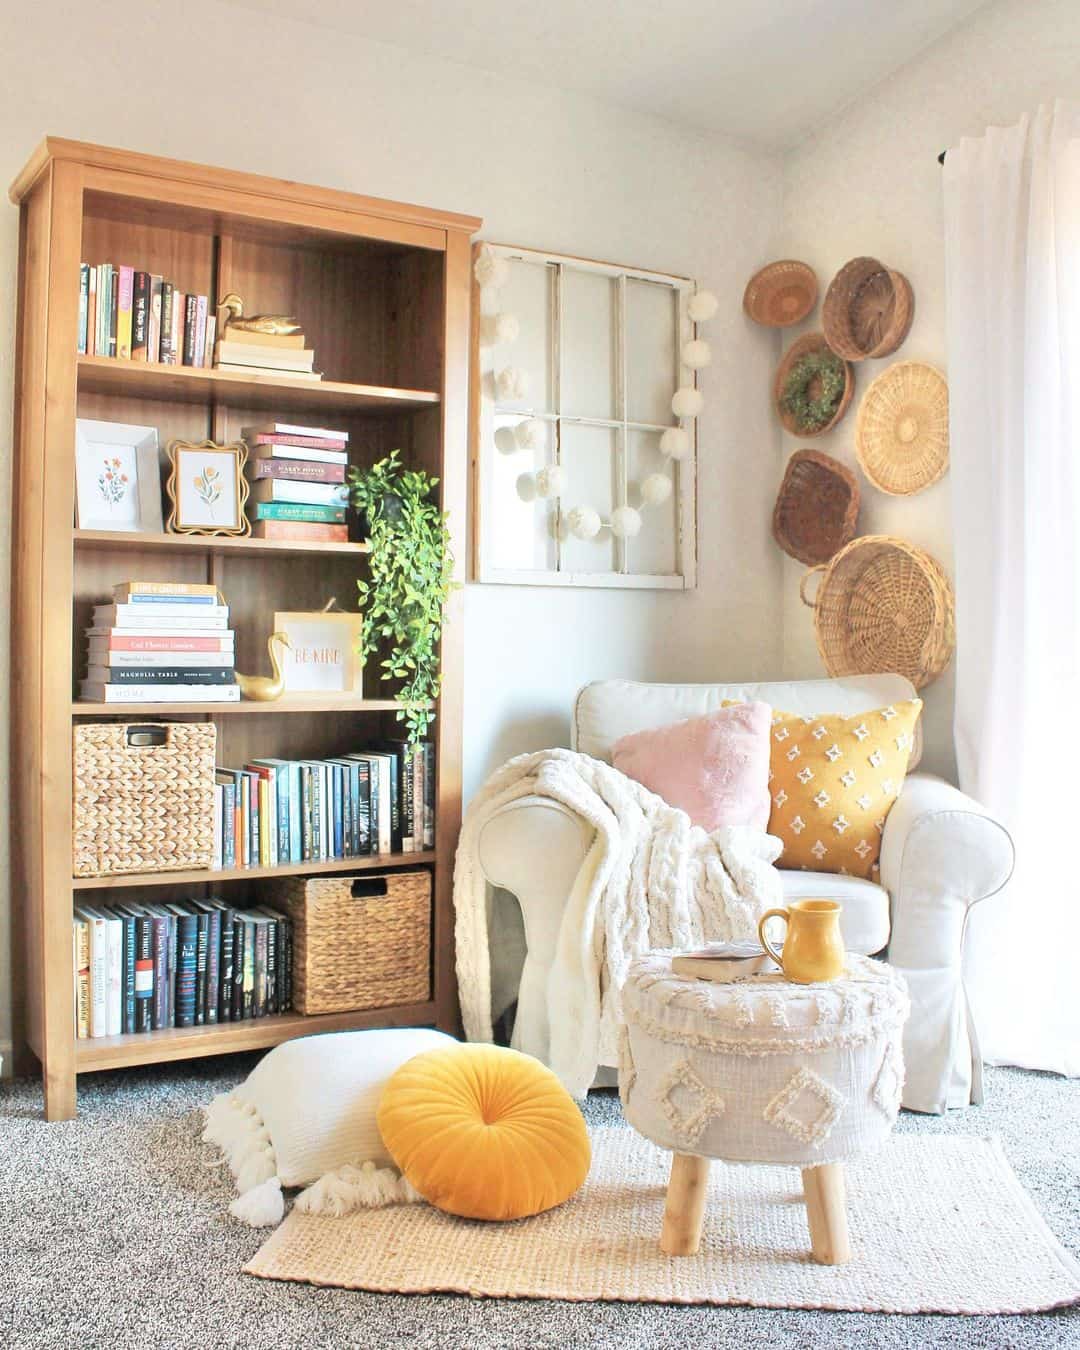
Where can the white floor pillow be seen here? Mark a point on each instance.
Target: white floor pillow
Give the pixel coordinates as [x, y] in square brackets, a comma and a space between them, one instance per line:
[305, 1116]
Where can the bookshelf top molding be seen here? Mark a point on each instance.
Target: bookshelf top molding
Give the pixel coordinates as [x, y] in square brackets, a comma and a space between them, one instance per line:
[56, 148]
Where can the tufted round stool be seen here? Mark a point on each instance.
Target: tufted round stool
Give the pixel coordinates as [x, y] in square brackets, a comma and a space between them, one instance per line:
[762, 1071]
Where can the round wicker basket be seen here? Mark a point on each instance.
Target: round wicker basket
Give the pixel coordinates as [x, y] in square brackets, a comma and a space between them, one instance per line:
[810, 342]
[883, 606]
[868, 310]
[902, 431]
[816, 508]
[781, 294]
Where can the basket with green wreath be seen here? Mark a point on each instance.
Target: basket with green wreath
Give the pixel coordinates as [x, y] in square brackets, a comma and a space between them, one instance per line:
[813, 387]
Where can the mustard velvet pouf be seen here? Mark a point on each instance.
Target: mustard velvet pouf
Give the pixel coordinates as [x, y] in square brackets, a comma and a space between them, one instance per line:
[484, 1132]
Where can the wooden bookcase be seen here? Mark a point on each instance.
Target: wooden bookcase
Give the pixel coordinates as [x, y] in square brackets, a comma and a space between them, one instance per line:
[382, 290]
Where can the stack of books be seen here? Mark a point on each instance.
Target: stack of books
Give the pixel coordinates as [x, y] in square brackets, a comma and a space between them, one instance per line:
[143, 967]
[139, 316]
[275, 811]
[161, 642]
[297, 478]
[266, 354]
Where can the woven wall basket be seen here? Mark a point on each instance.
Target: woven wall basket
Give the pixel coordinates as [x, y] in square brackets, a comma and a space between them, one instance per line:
[810, 342]
[883, 606]
[902, 431]
[868, 310]
[816, 508]
[143, 797]
[781, 294]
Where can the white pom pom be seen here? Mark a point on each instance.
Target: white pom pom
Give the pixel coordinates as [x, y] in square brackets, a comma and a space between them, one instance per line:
[583, 522]
[490, 270]
[526, 487]
[505, 441]
[530, 434]
[675, 443]
[687, 402]
[696, 354]
[511, 384]
[625, 522]
[260, 1207]
[550, 481]
[655, 489]
[702, 306]
[507, 328]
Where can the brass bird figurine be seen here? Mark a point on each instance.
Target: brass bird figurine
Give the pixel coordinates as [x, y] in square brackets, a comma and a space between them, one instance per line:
[231, 315]
[266, 688]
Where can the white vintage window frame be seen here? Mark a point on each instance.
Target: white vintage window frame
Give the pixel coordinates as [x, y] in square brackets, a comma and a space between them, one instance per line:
[485, 411]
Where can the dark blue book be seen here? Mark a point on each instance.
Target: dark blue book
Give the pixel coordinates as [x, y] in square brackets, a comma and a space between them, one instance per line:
[213, 910]
[202, 936]
[187, 942]
[228, 940]
[337, 819]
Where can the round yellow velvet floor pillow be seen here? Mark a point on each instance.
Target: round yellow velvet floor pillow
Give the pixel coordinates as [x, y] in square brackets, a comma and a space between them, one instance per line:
[484, 1132]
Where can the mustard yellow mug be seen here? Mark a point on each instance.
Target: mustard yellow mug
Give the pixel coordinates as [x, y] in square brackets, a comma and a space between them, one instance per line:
[813, 949]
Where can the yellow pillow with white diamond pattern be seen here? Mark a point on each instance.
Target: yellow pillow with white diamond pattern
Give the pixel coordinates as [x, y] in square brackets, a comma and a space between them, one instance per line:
[833, 781]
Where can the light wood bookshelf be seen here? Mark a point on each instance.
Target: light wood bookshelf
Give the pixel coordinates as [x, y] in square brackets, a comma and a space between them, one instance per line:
[382, 289]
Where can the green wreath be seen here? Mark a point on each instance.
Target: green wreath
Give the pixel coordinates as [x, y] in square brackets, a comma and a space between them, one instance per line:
[811, 414]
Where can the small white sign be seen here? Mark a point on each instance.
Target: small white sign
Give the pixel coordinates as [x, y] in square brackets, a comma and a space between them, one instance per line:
[324, 656]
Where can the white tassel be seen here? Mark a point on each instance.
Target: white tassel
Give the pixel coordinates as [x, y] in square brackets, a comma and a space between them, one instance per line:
[262, 1206]
[256, 1168]
[351, 1188]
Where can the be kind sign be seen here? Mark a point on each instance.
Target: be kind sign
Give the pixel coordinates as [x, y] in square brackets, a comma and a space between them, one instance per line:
[324, 652]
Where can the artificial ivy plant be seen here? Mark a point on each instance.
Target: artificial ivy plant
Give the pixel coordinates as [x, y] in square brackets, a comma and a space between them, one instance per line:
[410, 578]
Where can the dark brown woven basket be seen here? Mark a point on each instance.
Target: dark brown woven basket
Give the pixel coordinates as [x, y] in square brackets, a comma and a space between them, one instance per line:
[816, 508]
[868, 310]
[781, 294]
[810, 342]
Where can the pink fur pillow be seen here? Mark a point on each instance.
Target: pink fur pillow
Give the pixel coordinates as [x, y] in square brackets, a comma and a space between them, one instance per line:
[715, 768]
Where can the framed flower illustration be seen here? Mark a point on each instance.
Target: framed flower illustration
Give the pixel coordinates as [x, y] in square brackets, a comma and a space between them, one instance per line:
[117, 477]
[207, 488]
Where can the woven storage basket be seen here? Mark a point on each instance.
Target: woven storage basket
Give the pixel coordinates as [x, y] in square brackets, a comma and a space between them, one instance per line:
[902, 431]
[816, 508]
[781, 294]
[358, 941]
[868, 310]
[883, 606]
[810, 342]
[143, 798]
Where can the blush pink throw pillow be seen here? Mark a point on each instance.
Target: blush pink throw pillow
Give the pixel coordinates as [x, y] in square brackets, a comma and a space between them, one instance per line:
[715, 768]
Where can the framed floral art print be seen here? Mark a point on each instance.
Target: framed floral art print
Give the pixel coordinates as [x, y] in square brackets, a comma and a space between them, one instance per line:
[207, 488]
[117, 477]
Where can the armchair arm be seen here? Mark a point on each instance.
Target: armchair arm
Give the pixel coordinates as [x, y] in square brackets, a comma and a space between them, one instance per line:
[941, 853]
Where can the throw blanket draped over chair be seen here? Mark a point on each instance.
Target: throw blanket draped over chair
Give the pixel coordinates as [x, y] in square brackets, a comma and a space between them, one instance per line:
[652, 879]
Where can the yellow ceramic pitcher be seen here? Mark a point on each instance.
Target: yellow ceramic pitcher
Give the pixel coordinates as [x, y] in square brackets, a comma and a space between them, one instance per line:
[813, 949]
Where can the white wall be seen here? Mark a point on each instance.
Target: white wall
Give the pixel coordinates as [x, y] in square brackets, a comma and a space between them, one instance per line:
[869, 182]
[543, 168]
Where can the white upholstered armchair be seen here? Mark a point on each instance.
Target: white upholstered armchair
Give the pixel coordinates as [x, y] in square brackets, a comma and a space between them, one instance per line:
[941, 854]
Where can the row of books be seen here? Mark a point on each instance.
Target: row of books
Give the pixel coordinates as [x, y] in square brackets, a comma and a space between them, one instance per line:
[276, 811]
[161, 642]
[143, 967]
[266, 354]
[297, 477]
[140, 316]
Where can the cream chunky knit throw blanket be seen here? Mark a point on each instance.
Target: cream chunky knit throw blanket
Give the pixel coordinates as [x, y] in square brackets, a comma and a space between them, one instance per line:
[652, 879]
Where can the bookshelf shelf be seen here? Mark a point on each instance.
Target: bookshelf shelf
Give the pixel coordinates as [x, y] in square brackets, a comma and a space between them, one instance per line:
[270, 393]
[189, 545]
[296, 703]
[151, 1047]
[206, 876]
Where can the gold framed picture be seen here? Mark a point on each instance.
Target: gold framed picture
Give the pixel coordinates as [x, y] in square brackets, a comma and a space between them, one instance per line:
[324, 655]
[207, 488]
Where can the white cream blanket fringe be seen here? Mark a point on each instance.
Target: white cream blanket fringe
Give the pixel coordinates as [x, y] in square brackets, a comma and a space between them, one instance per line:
[651, 879]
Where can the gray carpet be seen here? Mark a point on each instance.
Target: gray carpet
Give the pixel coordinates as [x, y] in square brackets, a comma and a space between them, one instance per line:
[114, 1232]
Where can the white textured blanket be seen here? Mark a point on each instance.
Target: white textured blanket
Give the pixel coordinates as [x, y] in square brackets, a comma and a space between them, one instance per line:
[652, 880]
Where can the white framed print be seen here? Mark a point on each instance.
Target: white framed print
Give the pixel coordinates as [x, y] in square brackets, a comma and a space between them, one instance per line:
[324, 652]
[117, 477]
[207, 488]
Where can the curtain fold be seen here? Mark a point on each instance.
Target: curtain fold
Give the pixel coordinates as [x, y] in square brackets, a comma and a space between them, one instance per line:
[1012, 254]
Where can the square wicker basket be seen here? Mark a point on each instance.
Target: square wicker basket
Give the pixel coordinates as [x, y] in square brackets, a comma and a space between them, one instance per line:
[143, 797]
[358, 941]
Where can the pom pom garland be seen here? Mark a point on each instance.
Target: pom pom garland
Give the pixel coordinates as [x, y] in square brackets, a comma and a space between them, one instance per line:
[526, 487]
[489, 270]
[583, 522]
[511, 384]
[507, 328]
[505, 441]
[655, 490]
[625, 522]
[696, 354]
[530, 434]
[687, 402]
[675, 443]
[550, 481]
[702, 306]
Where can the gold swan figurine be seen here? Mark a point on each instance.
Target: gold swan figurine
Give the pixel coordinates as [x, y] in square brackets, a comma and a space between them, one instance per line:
[266, 688]
[279, 325]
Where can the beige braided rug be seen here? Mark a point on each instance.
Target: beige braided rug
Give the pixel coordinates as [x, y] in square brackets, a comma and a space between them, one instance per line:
[937, 1225]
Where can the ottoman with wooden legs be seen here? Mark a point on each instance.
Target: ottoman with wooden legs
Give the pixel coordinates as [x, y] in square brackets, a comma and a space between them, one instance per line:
[762, 1071]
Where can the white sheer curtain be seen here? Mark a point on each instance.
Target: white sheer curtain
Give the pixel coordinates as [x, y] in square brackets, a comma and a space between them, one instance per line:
[1012, 247]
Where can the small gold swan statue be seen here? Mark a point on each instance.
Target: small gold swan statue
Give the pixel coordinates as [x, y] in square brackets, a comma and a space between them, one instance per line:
[266, 688]
[231, 315]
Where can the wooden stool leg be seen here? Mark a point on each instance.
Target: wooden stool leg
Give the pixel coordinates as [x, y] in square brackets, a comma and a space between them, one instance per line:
[826, 1213]
[684, 1209]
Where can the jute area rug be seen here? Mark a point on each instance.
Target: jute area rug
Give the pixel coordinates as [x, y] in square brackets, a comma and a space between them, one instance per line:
[937, 1225]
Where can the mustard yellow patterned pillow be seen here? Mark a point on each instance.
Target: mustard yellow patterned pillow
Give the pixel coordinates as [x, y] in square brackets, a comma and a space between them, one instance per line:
[833, 780]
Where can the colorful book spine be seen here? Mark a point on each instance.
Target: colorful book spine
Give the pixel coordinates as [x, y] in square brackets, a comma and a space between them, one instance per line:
[153, 323]
[91, 314]
[140, 317]
[312, 512]
[187, 944]
[296, 531]
[81, 944]
[200, 331]
[307, 471]
[125, 298]
[161, 971]
[166, 350]
[191, 323]
[144, 972]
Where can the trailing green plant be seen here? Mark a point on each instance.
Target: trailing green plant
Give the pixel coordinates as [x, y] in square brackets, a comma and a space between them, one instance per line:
[811, 414]
[410, 579]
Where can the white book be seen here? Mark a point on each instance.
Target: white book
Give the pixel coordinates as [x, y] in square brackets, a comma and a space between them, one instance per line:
[724, 962]
[301, 452]
[163, 613]
[296, 490]
[99, 971]
[101, 654]
[224, 636]
[244, 353]
[92, 692]
[266, 370]
[289, 429]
